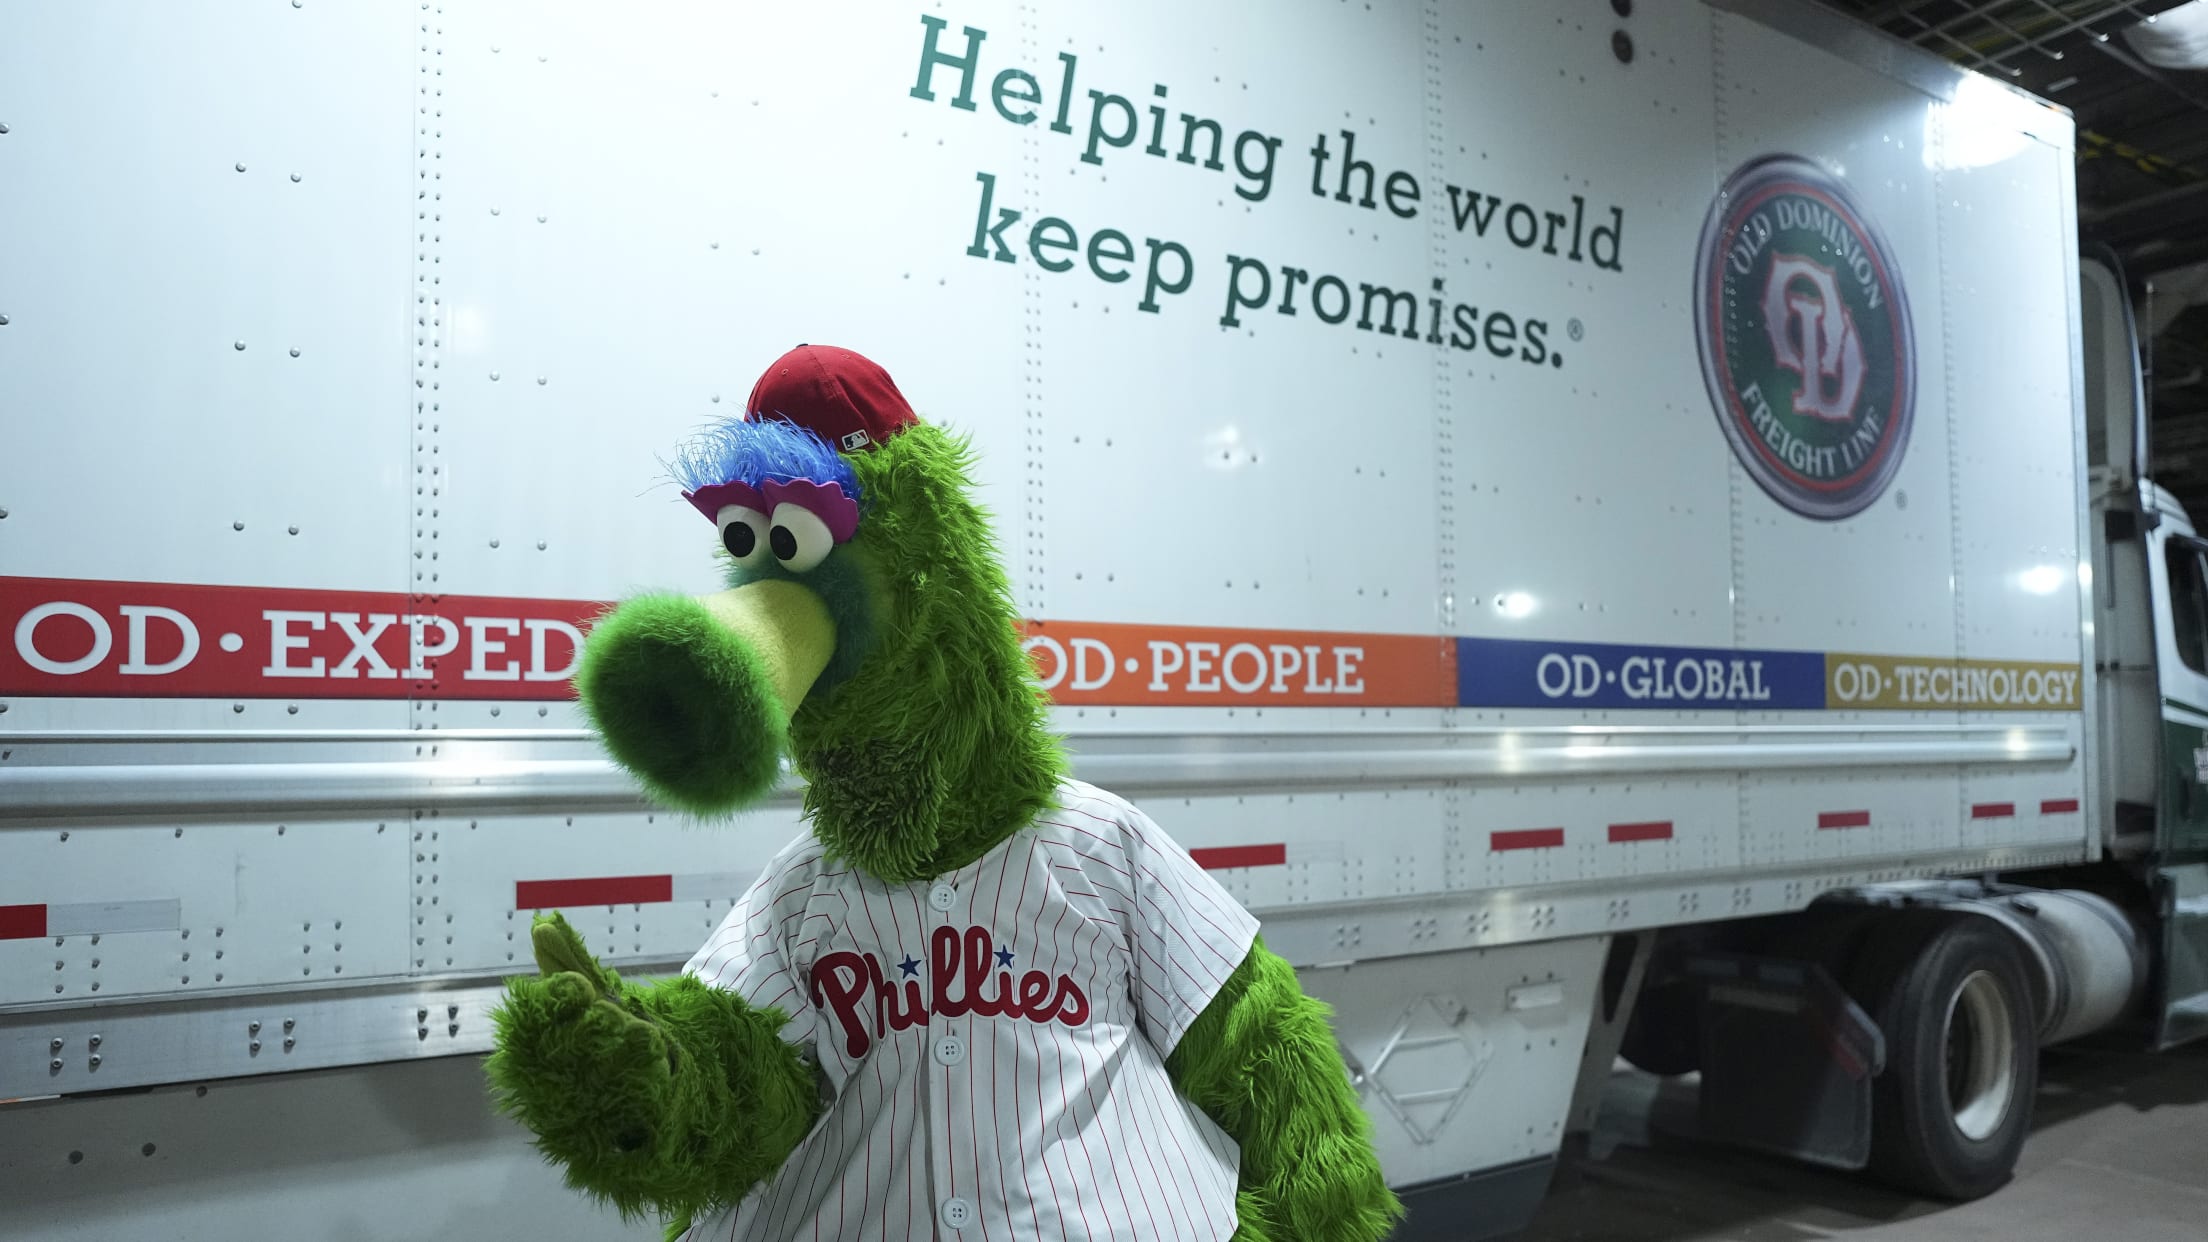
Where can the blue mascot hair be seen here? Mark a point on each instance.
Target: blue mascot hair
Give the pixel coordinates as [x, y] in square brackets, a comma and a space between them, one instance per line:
[753, 451]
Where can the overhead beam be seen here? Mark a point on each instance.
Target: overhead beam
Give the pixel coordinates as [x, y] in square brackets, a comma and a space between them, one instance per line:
[2178, 212]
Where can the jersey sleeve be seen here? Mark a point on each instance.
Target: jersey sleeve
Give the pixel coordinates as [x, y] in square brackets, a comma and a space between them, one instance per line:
[749, 953]
[1188, 934]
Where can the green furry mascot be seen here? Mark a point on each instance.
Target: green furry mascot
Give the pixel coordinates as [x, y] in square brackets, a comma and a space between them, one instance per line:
[979, 999]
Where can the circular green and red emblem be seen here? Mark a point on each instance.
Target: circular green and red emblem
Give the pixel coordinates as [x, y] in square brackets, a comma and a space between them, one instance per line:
[1804, 332]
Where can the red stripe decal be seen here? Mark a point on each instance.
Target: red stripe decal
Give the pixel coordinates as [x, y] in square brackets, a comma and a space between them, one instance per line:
[613, 890]
[22, 922]
[1993, 810]
[1526, 839]
[1658, 830]
[2059, 806]
[1221, 856]
[1844, 819]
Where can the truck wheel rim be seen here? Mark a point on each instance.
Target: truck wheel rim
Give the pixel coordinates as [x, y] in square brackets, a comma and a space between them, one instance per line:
[1980, 1046]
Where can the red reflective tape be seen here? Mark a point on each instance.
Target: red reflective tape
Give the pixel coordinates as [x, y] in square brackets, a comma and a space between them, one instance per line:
[1844, 819]
[1655, 830]
[22, 922]
[1526, 839]
[1993, 810]
[1220, 856]
[2059, 806]
[612, 890]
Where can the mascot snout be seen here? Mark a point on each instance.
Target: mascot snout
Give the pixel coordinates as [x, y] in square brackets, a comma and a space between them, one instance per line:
[694, 694]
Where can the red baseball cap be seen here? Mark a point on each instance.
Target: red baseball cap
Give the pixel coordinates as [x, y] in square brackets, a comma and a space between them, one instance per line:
[842, 397]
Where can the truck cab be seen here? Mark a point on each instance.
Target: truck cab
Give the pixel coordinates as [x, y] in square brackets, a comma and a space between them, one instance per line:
[2150, 593]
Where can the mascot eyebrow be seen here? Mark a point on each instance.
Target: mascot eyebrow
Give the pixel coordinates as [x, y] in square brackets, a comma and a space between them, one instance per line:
[764, 462]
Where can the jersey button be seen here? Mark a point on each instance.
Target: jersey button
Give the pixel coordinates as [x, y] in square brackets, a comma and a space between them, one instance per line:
[950, 1050]
[943, 897]
[957, 1214]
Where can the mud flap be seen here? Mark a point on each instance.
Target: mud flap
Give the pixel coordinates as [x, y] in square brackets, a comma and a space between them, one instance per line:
[2183, 986]
[1787, 1059]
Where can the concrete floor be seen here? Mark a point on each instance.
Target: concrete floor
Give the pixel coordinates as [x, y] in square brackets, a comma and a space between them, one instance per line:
[2119, 1153]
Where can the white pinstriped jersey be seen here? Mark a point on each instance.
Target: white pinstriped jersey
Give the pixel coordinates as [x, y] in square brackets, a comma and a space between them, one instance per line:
[994, 1038]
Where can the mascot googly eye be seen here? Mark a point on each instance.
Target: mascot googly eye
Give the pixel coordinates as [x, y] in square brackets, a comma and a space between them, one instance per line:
[744, 534]
[799, 537]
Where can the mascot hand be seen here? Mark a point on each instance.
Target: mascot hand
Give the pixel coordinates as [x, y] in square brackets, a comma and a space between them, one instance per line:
[581, 1065]
[694, 695]
[673, 1098]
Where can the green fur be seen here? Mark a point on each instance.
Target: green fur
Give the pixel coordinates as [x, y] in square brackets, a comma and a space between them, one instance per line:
[1261, 1062]
[675, 1098]
[938, 747]
[682, 703]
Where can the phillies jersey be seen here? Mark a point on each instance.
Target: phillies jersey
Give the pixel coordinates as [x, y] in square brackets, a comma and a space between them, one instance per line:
[994, 1039]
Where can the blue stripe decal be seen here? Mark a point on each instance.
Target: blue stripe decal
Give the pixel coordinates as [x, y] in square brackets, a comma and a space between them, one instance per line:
[1507, 672]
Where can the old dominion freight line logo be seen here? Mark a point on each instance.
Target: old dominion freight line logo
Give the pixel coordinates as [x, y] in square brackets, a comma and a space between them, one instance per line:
[1804, 332]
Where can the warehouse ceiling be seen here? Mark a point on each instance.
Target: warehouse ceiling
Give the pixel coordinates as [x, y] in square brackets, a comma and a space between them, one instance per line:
[2135, 75]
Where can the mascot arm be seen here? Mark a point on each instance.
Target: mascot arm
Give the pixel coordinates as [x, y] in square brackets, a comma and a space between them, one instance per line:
[673, 1098]
[1262, 1063]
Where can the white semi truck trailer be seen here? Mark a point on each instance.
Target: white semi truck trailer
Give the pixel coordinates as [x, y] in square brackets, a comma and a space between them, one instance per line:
[1611, 527]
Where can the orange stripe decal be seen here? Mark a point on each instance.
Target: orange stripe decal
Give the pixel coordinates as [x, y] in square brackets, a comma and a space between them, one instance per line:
[1108, 664]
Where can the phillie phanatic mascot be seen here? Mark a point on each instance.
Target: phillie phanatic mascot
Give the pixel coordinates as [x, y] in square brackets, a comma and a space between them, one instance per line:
[978, 999]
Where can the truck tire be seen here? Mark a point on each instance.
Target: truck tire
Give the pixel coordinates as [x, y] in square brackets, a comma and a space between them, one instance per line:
[1951, 1111]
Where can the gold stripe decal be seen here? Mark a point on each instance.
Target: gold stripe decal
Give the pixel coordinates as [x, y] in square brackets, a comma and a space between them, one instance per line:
[1915, 683]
